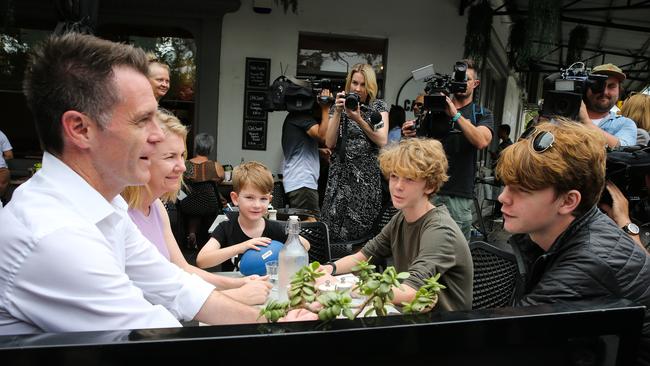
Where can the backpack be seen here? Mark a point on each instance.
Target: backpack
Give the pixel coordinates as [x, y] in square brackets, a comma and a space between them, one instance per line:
[298, 96]
[274, 100]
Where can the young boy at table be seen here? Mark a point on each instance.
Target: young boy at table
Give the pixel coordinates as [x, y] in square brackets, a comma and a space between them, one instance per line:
[422, 238]
[252, 186]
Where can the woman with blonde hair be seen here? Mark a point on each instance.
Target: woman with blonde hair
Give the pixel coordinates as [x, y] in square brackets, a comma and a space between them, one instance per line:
[354, 185]
[147, 211]
[637, 108]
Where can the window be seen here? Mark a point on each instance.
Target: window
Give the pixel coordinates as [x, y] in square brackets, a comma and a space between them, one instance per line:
[331, 56]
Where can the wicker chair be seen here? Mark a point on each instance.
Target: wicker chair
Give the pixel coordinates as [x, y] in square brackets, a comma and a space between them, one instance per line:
[497, 276]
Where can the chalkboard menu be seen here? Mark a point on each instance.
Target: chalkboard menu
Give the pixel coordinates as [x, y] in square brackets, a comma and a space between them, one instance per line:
[254, 104]
[257, 73]
[255, 134]
[255, 117]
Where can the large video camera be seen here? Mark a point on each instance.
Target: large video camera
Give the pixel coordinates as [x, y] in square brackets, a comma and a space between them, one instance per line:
[627, 167]
[291, 94]
[317, 86]
[564, 90]
[433, 120]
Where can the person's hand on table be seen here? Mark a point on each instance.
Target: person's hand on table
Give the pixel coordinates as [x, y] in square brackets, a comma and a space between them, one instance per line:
[253, 244]
[299, 315]
[254, 292]
[255, 278]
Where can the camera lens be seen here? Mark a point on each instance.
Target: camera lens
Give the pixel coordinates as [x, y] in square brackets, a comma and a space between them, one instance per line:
[352, 101]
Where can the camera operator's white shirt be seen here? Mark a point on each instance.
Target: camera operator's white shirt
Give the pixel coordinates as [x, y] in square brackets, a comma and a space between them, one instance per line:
[72, 261]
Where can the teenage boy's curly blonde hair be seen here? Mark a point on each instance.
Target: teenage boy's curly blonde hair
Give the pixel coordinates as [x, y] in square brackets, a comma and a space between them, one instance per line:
[416, 158]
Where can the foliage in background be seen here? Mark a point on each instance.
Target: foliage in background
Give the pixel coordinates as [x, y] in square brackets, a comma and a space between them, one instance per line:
[479, 30]
[578, 38]
[539, 32]
[517, 43]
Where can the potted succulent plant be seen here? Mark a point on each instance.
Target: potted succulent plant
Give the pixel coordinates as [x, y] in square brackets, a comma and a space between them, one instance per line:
[376, 287]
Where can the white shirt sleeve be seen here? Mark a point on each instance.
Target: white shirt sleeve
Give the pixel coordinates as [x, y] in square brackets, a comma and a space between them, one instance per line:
[91, 285]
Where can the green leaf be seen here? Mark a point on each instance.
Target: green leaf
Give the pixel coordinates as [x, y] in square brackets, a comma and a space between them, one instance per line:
[403, 275]
[295, 301]
[348, 314]
[322, 315]
[373, 284]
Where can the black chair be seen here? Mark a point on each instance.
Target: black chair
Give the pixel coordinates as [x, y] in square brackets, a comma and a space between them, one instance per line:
[342, 249]
[497, 276]
[319, 239]
[278, 200]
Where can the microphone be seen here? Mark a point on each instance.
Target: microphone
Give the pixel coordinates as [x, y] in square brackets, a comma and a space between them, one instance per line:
[376, 122]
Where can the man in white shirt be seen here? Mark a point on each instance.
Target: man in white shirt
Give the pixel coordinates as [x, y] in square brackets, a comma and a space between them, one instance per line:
[70, 258]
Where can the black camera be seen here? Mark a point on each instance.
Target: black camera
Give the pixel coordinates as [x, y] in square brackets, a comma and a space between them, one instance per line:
[628, 167]
[352, 101]
[439, 87]
[564, 90]
[317, 86]
[433, 120]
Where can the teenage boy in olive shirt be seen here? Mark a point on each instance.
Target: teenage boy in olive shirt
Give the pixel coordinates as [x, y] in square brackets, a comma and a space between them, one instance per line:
[422, 238]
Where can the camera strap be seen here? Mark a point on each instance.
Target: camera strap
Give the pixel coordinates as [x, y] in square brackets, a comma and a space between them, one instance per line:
[476, 115]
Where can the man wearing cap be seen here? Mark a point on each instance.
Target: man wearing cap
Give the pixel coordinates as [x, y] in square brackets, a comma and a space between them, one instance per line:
[596, 112]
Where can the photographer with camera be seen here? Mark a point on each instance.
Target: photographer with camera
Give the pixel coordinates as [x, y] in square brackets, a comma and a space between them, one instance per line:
[596, 113]
[418, 105]
[358, 128]
[472, 132]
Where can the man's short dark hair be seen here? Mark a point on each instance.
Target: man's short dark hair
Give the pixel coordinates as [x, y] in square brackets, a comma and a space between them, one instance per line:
[203, 144]
[75, 72]
[505, 128]
[471, 65]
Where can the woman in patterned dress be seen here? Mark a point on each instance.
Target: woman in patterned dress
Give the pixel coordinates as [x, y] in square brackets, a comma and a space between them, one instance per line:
[353, 196]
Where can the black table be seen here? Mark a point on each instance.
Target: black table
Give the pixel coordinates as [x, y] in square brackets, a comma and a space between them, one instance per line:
[543, 335]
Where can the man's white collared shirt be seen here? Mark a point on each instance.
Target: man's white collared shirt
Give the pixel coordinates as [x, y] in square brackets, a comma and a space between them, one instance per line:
[72, 261]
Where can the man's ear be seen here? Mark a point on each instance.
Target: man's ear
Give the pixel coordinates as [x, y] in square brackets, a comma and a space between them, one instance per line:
[234, 197]
[478, 83]
[77, 128]
[570, 202]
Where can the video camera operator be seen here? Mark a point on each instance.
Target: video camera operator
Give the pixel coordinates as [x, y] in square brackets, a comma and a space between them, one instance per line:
[472, 131]
[301, 135]
[594, 92]
[597, 113]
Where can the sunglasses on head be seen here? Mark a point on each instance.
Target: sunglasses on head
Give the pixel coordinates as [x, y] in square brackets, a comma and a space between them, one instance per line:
[542, 140]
